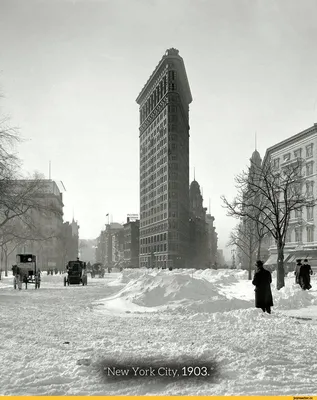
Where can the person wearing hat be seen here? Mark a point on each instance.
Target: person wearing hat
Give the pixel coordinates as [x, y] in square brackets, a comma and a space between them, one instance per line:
[297, 269]
[262, 281]
[304, 275]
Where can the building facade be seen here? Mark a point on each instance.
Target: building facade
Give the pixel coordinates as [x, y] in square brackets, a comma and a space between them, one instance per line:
[198, 230]
[212, 241]
[301, 239]
[109, 249]
[131, 243]
[164, 164]
[70, 241]
[117, 248]
[46, 219]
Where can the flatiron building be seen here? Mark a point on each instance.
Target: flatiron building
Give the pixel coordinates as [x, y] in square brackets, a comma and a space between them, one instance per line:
[164, 165]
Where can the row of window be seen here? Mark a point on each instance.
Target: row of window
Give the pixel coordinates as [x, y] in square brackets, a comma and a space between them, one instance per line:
[156, 218]
[159, 248]
[159, 217]
[299, 235]
[309, 213]
[298, 188]
[153, 229]
[148, 169]
[297, 154]
[154, 239]
[155, 128]
[167, 84]
[153, 202]
[173, 195]
[155, 97]
[158, 147]
[154, 137]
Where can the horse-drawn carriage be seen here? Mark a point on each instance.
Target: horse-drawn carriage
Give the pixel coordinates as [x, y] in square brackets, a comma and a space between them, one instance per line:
[76, 273]
[96, 269]
[26, 271]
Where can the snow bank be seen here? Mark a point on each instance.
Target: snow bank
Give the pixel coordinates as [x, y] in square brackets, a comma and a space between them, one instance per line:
[191, 292]
[129, 275]
[292, 297]
[181, 291]
[224, 275]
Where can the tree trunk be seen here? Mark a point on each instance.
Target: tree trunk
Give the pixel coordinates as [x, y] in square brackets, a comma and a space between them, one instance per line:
[250, 267]
[280, 278]
[1, 261]
[6, 262]
[259, 250]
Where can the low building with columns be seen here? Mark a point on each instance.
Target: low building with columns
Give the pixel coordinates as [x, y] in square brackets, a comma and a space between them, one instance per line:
[301, 239]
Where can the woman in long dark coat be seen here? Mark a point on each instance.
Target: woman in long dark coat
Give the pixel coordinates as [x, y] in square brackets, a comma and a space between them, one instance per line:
[262, 281]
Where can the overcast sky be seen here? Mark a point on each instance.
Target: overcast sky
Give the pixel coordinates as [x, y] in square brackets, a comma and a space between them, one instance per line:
[71, 71]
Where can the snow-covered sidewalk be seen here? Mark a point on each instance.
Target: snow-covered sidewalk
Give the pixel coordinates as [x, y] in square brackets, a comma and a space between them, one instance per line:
[57, 340]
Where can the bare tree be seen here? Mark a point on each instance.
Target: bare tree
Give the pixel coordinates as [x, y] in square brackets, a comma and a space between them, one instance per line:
[242, 237]
[25, 212]
[20, 197]
[269, 196]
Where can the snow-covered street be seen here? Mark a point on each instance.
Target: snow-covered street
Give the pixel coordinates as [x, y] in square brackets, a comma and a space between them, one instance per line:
[57, 340]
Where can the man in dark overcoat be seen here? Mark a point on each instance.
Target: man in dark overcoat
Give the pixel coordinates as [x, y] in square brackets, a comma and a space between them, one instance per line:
[262, 281]
[304, 275]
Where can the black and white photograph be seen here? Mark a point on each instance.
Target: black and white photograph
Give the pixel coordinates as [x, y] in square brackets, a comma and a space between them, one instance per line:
[158, 198]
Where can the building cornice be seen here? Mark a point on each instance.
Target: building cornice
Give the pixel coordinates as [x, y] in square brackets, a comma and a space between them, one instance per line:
[292, 140]
[171, 54]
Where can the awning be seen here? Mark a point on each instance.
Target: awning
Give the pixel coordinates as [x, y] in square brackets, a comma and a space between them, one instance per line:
[287, 257]
[302, 256]
[291, 259]
[272, 260]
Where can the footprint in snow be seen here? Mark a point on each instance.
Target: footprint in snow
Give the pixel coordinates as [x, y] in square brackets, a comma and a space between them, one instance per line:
[84, 361]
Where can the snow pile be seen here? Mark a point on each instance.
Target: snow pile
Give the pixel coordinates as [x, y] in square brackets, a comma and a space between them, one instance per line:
[177, 291]
[131, 274]
[223, 275]
[191, 292]
[242, 316]
[292, 297]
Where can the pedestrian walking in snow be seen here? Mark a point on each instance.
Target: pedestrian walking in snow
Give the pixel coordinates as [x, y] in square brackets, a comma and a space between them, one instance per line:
[297, 269]
[262, 281]
[304, 275]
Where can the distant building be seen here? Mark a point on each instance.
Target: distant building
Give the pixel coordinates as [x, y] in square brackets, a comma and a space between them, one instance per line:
[249, 240]
[109, 249]
[198, 234]
[70, 241]
[212, 240]
[221, 258]
[117, 251]
[164, 164]
[48, 223]
[87, 250]
[131, 243]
